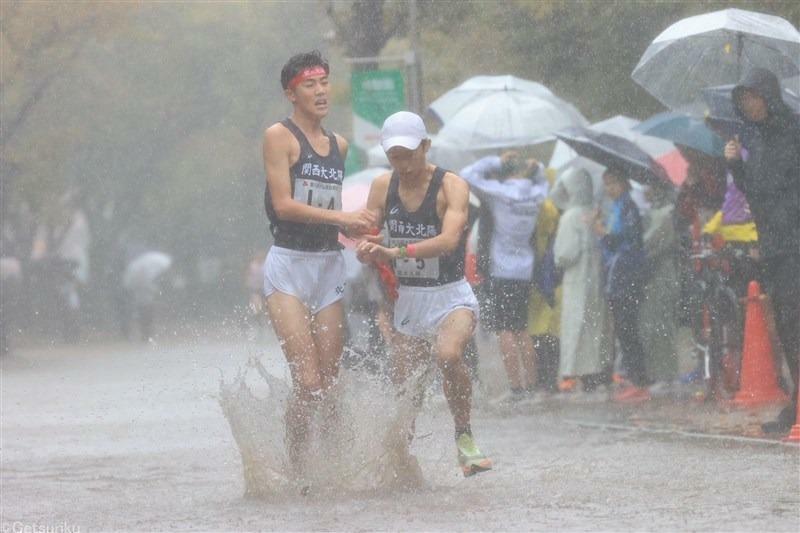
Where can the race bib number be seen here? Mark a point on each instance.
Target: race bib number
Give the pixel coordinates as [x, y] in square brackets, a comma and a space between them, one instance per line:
[412, 267]
[318, 194]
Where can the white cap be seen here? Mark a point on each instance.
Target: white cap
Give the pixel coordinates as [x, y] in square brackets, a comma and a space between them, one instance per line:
[404, 129]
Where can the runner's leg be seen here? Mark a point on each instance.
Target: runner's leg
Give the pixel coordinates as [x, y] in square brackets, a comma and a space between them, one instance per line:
[327, 328]
[451, 341]
[292, 323]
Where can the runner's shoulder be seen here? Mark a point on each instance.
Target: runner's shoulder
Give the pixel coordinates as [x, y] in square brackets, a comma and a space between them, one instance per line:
[341, 142]
[278, 138]
[455, 183]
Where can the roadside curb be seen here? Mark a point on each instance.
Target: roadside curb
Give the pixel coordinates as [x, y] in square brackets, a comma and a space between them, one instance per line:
[681, 433]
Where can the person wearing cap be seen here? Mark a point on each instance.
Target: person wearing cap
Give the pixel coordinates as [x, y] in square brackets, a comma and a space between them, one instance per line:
[304, 272]
[424, 209]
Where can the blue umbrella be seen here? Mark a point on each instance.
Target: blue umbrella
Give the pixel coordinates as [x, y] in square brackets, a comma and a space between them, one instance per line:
[684, 130]
[615, 152]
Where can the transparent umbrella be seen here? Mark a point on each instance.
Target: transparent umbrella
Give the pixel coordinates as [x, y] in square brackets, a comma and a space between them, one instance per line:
[447, 105]
[507, 119]
[145, 269]
[714, 49]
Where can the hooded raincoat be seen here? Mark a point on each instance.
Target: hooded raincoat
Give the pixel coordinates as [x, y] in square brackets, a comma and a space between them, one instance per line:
[658, 313]
[770, 180]
[585, 343]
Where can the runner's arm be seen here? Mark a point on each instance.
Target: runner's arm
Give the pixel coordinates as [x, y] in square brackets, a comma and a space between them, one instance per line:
[376, 204]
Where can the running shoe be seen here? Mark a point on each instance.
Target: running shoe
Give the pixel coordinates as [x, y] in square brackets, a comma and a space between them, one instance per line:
[470, 458]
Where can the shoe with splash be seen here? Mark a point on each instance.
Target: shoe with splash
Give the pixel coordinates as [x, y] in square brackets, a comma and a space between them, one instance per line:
[470, 458]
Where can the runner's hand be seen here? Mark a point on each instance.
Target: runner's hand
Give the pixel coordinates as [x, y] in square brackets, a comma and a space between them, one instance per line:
[358, 222]
[370, 251]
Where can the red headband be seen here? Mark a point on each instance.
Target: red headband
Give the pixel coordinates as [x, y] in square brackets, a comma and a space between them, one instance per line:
[306, 73]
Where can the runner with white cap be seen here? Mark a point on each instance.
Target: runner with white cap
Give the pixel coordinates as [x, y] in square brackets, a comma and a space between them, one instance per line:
[424, 208]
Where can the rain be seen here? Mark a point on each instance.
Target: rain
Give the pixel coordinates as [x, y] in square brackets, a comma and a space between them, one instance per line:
[544, 280]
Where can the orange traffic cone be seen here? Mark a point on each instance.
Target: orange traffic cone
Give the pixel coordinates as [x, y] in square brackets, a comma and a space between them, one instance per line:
[758, 385]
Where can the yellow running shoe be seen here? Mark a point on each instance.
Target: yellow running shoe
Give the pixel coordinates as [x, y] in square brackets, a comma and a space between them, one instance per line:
[470, 457]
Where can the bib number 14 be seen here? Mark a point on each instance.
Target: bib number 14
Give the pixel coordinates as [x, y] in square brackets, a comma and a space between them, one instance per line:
[317, 194]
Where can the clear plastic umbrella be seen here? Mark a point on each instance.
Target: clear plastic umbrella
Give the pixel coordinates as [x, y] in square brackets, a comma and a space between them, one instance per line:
[715, 49]
[447, 105]
[506, 119]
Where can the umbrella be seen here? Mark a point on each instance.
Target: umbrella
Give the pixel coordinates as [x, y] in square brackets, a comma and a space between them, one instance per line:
[714, 49]
[447, 105]
[664, 152]
[684, 130]
[618, 125]
[614, 152]
[721, 115]
[145, 269]
[507, 119]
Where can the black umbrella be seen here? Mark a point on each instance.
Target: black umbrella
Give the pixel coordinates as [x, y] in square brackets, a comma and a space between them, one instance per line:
[615, 153]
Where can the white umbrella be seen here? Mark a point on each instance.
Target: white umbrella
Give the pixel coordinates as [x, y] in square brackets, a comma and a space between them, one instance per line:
[715, 49]
[142, 272]
[476, 87]
[508, 119]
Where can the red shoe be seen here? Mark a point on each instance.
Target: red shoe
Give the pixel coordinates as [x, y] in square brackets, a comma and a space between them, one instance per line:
[632, 395]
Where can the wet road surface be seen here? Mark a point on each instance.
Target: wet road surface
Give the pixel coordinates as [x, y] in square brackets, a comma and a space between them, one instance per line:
[127, 437]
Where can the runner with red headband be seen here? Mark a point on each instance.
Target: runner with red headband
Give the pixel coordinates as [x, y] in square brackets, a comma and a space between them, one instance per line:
[304, 272]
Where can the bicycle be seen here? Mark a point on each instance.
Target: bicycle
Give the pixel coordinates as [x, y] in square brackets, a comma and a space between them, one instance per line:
[717, 324]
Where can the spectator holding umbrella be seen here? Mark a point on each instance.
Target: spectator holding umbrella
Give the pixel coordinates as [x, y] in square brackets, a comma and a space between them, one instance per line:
[621, 241]
[769, 177]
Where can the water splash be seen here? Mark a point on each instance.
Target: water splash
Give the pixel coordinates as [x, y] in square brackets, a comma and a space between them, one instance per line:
[364, 447]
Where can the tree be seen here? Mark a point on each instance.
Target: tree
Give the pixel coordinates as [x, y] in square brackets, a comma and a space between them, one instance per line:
[363, 27]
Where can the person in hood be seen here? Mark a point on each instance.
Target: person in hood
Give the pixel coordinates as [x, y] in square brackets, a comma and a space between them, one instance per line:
[658, 313]
[585, 343]
[768, 173]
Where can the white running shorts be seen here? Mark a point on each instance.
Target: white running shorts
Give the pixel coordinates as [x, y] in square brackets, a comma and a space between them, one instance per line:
[419, 311]
[315, 278]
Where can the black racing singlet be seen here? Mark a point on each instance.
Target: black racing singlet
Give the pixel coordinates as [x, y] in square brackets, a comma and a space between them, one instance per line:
[315, 181]
[424, 223]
